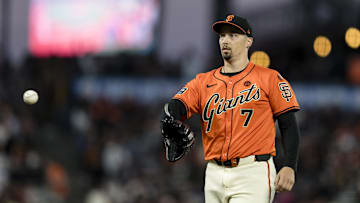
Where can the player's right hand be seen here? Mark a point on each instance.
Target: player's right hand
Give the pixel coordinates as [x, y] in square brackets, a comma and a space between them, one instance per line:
[178, 138]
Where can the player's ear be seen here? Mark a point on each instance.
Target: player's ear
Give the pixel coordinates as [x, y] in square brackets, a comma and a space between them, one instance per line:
[249, 42]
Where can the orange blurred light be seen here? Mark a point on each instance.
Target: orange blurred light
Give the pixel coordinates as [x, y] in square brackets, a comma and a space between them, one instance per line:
[322, 46]
[260, 58]
[352, 37]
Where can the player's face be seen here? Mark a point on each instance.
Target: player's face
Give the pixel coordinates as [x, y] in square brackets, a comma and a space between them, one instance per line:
[232, 43]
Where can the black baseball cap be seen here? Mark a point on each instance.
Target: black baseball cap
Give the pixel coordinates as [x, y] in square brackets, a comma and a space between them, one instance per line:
[236, 22]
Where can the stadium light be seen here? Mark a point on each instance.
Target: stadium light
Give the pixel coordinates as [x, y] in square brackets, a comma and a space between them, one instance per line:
[260, 58]
[352, 37]
[322, 46]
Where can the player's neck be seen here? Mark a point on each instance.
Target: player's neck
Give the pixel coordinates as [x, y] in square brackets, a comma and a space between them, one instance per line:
[235, 66]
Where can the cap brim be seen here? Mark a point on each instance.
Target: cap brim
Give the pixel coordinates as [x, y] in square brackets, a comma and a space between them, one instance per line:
[217, 26]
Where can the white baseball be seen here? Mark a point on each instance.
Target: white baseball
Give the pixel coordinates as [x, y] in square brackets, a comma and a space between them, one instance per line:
[30, 97]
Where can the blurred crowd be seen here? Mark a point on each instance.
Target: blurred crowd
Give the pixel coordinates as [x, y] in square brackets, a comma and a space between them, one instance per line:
[69, 149]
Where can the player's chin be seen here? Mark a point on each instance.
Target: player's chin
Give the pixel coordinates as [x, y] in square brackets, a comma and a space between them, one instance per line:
[226, 56]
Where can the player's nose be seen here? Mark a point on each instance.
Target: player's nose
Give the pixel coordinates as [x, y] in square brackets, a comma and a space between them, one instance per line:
[225, 45]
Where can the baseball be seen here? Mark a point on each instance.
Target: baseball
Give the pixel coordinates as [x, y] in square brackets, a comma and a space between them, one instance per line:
[30, 97]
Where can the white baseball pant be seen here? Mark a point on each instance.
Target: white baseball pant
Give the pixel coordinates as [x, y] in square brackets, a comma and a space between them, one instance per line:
[249, 182]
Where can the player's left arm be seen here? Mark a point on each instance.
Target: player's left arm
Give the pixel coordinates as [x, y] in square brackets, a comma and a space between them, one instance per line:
[284, 105]
[290, 137]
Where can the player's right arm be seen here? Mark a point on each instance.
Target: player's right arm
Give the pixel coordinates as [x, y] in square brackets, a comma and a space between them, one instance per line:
[186, 101]
[178, 137]
[177, 109]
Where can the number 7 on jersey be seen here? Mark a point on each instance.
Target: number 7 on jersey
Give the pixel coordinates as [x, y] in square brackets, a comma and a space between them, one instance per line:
[248, 113]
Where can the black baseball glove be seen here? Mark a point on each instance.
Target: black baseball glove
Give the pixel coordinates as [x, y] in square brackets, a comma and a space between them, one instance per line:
[177, 136]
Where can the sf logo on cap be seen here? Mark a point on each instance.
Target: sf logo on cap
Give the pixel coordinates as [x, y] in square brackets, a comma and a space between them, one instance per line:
[229, 18]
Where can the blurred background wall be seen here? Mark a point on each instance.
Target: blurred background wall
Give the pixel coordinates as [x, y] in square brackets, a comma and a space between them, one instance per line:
[104, 69]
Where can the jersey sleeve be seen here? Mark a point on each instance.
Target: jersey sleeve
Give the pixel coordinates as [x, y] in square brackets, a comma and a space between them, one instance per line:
[190, 96]
[281, 95]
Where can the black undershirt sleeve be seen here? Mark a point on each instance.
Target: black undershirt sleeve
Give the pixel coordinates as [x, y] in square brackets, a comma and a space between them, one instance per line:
[177, 109]
[290, 138]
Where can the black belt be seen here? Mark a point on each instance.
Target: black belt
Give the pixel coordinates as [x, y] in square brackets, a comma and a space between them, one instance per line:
[235, 161]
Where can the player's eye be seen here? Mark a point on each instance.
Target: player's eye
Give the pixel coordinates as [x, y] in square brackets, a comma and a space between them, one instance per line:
[234, 35]
[222, 35]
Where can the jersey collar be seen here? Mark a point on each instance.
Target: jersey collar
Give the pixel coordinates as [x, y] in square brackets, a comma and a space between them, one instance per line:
[237, 77]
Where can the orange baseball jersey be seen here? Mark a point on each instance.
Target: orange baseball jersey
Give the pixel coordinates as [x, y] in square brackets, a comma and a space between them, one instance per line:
[237, 113]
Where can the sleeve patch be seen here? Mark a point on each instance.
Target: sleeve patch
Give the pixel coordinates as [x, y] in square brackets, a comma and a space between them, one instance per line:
[182, 91]
[285, 91]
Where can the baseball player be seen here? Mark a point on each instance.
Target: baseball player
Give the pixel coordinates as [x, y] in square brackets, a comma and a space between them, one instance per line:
[239, 104]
